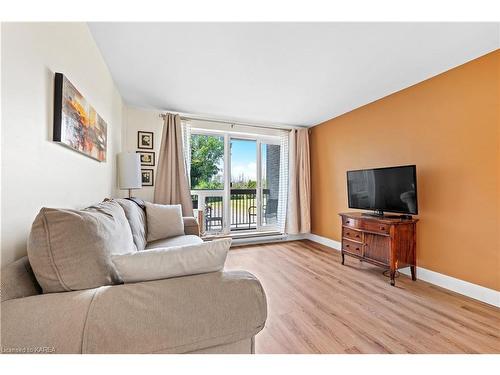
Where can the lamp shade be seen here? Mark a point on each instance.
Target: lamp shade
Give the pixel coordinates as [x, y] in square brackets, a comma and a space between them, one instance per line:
[129, 170]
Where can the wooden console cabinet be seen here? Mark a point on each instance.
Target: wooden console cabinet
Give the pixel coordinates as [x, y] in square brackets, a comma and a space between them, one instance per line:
[385, 242]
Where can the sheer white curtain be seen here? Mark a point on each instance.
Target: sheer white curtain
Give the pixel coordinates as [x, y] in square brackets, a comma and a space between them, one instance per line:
[186, 142]
[283, 183]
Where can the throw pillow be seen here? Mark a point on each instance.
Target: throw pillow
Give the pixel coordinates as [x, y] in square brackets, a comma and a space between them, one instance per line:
[163, 221]
[174, 261]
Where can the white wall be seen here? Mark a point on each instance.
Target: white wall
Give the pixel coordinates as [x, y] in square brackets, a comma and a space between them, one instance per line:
[35, 171]
[136, 119]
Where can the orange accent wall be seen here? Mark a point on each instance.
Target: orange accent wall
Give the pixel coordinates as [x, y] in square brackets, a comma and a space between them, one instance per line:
[449, 126]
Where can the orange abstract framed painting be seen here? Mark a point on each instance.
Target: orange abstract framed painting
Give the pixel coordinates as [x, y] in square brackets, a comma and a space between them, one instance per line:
[77, 125]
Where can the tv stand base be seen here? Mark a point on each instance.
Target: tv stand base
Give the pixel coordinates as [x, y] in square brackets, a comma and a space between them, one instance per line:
[381, 215]
[386, 242]
[376, 213]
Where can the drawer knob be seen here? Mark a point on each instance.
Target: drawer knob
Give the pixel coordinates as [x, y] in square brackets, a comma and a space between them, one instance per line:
[357, 248]
[357, 235]
[347, 245]
[382, 228]
[347, 221]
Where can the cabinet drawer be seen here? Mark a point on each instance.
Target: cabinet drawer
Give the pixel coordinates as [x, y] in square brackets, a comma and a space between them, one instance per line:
[373, 226]
[353, 234]
[352, 247]
[353, 223]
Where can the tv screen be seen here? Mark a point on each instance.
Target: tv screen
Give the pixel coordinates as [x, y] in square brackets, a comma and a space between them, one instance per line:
[391, 189]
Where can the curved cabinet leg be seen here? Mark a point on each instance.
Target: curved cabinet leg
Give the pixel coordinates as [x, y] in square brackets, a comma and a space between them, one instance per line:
[413, 270]
[343, 257]
[393, 277]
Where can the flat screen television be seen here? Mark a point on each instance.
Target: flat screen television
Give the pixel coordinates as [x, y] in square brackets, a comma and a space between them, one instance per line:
[392, 189]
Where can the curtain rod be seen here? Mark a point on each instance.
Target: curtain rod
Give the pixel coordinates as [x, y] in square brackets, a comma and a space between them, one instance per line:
[162, 115]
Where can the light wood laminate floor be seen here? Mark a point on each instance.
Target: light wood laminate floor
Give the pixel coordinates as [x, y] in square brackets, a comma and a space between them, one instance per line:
[316, 305]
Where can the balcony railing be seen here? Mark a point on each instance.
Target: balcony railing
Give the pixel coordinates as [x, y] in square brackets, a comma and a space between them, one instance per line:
[243, 209]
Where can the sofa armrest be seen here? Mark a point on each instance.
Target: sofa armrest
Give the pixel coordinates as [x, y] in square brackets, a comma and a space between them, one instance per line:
[191, 226]
[18, 280]
[177, 315]
[45, 323]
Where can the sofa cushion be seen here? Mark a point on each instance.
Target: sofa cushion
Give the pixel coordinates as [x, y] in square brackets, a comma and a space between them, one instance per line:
[174, 241]
[137, 219]
[71, 249]
[164, 221]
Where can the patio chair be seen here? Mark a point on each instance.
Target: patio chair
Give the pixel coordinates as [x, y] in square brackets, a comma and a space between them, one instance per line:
[211, 220]
[270, 211]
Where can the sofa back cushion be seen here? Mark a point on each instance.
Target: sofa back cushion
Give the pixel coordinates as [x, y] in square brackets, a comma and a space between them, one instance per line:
[136, 217]
[164, 221]
[71, 250]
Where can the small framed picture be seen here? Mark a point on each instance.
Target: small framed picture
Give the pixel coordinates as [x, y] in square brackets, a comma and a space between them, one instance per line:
[147, 177]
[147, 158]
[145, 140]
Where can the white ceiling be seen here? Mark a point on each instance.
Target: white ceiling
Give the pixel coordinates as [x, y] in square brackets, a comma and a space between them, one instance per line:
[281, 73]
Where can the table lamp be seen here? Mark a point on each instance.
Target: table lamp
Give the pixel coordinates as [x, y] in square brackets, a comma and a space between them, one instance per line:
[129, 171]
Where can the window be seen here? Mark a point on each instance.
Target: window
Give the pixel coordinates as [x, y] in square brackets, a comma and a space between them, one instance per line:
[207, 162]
[238, 176]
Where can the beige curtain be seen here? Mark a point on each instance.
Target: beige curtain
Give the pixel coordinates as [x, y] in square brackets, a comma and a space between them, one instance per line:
[172, 185]
[299, 199]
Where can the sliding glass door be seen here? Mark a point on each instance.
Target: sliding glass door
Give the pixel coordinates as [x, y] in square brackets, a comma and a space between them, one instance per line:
[270, 184]
[243, 185]
[235, 181]
[207, 167]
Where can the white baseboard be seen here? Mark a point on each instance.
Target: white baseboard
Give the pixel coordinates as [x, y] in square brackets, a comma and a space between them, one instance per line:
[267, 239]
[466, 288]
[481, 293]
[323, 241]
[296, 237]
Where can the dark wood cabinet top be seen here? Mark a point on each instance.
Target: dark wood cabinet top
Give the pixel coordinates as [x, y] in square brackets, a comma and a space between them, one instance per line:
[383, 219]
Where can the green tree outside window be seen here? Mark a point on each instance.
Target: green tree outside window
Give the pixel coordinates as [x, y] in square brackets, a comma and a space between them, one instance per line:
[207, 153]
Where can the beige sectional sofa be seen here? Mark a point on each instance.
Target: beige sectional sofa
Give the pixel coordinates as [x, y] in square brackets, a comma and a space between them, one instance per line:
[217, 312]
